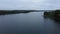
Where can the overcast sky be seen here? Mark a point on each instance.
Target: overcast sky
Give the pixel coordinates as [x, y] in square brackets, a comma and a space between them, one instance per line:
[29, 4]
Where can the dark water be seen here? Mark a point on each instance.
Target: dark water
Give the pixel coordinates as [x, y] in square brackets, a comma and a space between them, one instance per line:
[28, 23]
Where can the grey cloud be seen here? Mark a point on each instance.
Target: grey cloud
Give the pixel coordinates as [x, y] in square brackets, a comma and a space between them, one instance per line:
[29, 4]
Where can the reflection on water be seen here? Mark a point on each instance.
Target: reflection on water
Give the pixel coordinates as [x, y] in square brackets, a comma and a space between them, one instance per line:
[28, 23]
[55, 19]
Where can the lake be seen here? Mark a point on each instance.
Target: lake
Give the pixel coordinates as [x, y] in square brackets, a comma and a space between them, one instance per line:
[28, 23]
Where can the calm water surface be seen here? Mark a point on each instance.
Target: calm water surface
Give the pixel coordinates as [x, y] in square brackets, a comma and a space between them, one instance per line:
[28, 23]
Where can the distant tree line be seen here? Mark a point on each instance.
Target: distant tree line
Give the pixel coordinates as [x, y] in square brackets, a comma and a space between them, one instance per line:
[14, 11]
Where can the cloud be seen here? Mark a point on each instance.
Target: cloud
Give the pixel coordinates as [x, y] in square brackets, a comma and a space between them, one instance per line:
[29, 4]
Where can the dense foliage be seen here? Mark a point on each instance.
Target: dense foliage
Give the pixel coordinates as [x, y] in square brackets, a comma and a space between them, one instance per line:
[53, 14]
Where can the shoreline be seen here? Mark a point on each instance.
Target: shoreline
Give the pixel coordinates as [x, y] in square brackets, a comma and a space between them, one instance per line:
[53, 15]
